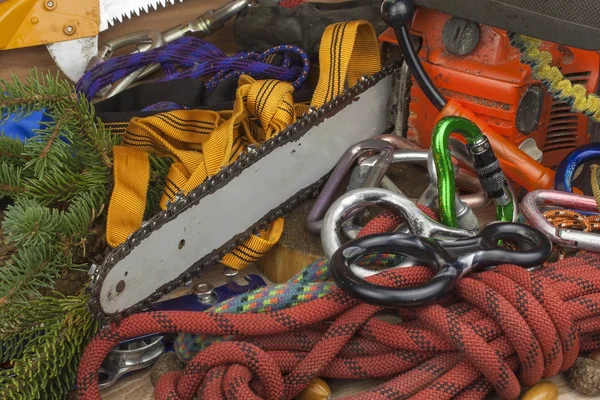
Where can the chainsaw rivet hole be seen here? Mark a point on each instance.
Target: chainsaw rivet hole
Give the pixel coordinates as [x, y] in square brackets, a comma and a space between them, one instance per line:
[181, 244]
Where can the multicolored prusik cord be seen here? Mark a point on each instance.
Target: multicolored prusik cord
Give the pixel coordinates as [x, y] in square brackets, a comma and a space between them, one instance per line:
[308, 285]
[190, 57]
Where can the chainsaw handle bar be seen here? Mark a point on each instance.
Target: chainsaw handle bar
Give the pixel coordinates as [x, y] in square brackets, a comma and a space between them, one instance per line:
[515, 163]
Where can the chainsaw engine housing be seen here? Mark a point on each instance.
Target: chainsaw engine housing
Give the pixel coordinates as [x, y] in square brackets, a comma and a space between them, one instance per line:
[573, 22]
[476, 65]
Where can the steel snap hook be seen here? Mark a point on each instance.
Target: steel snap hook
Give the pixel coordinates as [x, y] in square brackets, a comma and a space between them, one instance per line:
[386, 152]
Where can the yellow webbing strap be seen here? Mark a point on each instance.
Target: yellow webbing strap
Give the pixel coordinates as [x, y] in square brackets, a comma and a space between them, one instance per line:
[348, 51]
[201, 142]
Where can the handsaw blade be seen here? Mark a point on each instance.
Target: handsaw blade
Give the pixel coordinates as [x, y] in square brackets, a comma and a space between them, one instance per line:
[113, 12]
[196, 231]
[73, 56]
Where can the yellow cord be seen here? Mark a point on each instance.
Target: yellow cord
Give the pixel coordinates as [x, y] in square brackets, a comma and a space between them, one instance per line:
[561, 88]
[596, 183]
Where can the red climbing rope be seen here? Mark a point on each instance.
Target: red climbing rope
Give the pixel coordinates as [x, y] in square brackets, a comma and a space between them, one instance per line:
[504, 328]
[290, 3]
[388, 221]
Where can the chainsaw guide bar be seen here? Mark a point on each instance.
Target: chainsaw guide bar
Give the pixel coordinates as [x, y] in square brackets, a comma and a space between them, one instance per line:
[126, 282]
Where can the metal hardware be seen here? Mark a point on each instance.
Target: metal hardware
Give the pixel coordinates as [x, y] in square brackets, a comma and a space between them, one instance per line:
[464, 213]
[378, 170]
[72, 56]
[418, 223]
[460, 153]
[466, 217]
[205, 293]
[142, 352]
[230, 273]
[153, 39]
[449, 260]
[530, 208]
[128, 357]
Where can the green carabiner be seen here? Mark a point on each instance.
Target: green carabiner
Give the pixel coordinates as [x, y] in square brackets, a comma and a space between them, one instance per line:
[482, 152]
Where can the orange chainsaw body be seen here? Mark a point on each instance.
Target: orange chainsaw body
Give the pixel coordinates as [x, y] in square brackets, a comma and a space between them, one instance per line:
[492, 82]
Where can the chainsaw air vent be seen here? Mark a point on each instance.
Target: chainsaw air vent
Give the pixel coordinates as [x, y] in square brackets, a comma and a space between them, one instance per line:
[562, 125]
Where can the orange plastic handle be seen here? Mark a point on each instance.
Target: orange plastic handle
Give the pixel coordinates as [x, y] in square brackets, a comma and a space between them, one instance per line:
[515, 163]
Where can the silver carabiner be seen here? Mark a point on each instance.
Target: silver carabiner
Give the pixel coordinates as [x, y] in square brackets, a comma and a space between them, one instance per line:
[410, 153]
[530, 208]
[318, 210]
[151, 39]
[417, 222]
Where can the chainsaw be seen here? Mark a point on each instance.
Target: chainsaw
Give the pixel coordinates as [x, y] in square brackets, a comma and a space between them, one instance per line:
[70, 28]
[266, 182]
[476, 64]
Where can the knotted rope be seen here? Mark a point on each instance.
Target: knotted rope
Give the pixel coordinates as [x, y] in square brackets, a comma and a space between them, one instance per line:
[501, 322]
[504, 328]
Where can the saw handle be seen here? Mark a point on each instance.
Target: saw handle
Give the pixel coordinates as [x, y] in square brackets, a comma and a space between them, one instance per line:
[515, 163]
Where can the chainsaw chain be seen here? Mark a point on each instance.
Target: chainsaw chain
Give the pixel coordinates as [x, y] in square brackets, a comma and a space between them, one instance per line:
[180, 205]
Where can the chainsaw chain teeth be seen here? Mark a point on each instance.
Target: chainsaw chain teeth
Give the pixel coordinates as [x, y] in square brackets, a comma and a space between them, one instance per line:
[210, 185]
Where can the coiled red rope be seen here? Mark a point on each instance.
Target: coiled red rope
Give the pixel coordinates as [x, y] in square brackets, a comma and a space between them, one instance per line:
[504, 328]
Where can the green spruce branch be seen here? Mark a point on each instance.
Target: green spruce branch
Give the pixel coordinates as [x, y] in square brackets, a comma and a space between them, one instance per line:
[59, 182]
[47, 362]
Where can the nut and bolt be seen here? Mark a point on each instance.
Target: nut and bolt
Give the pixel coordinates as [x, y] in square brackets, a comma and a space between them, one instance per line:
[205, 293]
[230, 273]
[70, 30]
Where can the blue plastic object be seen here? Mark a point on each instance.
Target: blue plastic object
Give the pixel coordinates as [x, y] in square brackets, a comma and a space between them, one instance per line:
[191, 302]
[24, 128]
[565, 171]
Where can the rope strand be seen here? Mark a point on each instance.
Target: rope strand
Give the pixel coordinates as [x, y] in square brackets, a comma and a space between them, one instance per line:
[197, 58]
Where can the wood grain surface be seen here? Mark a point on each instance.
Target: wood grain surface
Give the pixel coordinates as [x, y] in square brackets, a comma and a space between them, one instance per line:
[20, 61]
